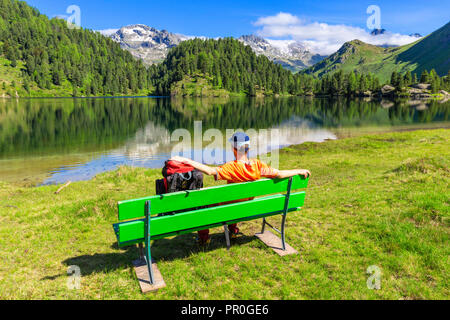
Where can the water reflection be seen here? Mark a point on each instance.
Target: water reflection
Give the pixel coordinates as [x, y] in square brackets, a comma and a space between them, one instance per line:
[152, 146]
[55, 140]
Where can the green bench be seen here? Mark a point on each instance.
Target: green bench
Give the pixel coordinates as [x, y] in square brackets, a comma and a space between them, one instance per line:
[143, 220]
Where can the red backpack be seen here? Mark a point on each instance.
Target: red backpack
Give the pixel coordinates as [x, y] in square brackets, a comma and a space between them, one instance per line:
[178, 177]
[172, 167]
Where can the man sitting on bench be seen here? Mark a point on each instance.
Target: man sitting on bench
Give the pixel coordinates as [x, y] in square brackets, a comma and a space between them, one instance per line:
[242, 169]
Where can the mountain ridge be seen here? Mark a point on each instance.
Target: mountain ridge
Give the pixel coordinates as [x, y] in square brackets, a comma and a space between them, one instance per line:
[430, 52]
[291, 54]
[152, 46]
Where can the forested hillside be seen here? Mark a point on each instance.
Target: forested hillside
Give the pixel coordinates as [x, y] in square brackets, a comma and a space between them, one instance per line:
[225, 64]
[41, 54]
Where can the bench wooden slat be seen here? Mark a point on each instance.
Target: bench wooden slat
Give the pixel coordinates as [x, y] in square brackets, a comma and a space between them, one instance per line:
[134, 230]
[133, 209]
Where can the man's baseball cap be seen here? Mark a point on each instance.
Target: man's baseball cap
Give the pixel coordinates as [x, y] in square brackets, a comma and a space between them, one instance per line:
[240, 139]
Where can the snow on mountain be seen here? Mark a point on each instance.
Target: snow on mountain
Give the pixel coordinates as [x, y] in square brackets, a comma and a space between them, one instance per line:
[290, 54]
[152, 46]
[147, 43]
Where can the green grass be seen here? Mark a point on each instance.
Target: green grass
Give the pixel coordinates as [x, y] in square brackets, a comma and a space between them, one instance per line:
[373, 200]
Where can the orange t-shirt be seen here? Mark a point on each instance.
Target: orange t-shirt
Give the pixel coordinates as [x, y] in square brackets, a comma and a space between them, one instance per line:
[240, 171]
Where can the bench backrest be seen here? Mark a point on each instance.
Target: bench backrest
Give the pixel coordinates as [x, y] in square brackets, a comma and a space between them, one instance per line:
[133, 231]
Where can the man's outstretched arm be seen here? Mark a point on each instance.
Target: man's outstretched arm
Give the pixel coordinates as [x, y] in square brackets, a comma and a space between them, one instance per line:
[291, 173]
[210, 171]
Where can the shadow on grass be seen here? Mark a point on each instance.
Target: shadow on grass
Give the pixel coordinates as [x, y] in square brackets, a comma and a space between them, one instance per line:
[179, 247]
[186, 245]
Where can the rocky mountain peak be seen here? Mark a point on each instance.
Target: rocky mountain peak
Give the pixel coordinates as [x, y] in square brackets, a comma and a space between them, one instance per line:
[291, 54]
[252, 38]
[152, 46]
[147, 43]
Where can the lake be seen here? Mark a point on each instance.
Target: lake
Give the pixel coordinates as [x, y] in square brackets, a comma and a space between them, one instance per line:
[51, 141]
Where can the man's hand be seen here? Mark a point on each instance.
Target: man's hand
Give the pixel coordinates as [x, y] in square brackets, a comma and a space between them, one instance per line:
[304, 173]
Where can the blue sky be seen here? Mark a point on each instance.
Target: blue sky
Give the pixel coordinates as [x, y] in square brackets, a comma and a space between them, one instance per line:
[234, 18]
[322, 26]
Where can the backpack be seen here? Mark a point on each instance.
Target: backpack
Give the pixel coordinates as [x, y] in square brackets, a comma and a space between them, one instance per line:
[178, 177]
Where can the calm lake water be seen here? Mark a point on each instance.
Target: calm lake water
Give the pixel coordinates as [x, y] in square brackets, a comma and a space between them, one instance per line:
[48, 141]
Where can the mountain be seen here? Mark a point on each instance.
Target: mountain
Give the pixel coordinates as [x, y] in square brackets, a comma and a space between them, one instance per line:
[152, 46]
[290, 54]
[146, 43]
[432, 52]
[427, 53]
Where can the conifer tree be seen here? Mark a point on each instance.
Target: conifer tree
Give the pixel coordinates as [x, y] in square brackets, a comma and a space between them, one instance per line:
[424, 77]
[408, 78]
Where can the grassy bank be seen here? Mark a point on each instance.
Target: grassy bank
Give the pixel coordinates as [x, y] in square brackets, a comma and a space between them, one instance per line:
[373, 200]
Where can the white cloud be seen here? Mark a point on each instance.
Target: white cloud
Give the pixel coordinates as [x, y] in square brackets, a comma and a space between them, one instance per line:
[281, 19]
[108, 32]
[323, 38]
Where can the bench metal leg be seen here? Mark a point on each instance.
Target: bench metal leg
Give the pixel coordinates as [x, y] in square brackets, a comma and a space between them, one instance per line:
[283, 239]
[286, 208]
[227, 236]
[281, 232]
[148, 255]
[147, 272]
[283, 221]
[149, 266]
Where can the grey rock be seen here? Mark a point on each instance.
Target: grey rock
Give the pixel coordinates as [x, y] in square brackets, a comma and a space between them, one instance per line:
[387, 89]
[422, 86]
